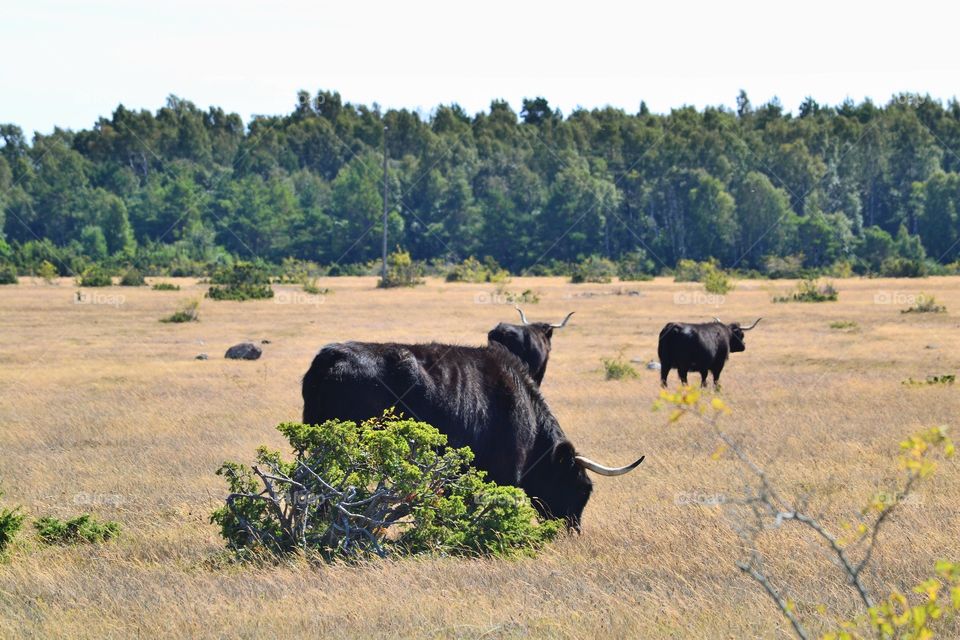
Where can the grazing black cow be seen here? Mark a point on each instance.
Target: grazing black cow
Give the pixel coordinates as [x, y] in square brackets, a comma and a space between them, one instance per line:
[699, 347]
[479, 397]
[529, 341]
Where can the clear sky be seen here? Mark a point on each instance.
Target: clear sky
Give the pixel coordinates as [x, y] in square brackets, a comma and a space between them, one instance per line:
[66, 63]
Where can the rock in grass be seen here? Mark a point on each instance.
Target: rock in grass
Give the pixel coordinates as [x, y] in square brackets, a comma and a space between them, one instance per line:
[243, 351]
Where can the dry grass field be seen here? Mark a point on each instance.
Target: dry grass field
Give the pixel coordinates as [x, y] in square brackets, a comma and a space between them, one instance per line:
[104, 409]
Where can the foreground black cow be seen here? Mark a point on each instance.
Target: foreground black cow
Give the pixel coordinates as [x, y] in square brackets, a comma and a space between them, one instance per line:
[529, 341]
[699, 347]
[479, 397]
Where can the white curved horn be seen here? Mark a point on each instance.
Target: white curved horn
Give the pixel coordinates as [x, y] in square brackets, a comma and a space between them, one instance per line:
[564, 323]
[596, 467]
[523, 317]
[717, 319]
[751, 326]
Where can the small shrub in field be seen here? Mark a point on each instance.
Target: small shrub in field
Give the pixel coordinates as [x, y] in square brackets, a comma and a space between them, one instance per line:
[47, 272]
[716, 281]
[925, 304]
[387, 486]
[165, 286]
[810, 291]
[618, 368]
[83, 528]
[8, 274]
[472, 270]
[593, 269]
[903, 268]
[242, 281]
[842, 325]
[945, 379]
[312, 287]
[188, 312]
[402, 271]
[132, 278]
[94, 276]
[10, 522]
[527, 296]
[786, 267]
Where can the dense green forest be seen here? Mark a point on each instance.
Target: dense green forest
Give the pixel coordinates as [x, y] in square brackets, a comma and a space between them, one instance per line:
[875, 189]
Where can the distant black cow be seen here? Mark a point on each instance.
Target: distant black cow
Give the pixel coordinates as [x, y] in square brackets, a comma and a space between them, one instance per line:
[529, 341]
[699, 347]
[479, 397]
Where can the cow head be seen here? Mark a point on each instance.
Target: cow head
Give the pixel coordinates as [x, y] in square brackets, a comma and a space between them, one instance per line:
[736, 335]
[563, 486]
[529, 341]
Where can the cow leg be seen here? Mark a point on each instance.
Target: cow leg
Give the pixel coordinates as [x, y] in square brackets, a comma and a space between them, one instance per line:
[683, 376]
[664, 372]
[703, 378]
[716, 378]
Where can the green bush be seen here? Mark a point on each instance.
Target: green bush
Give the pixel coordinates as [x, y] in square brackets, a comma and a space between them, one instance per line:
[842, 325]
[165, 286]
[188, 312]
[242, 281]
[11, 520]
[593, 269]
[897, 267]
[618, 368]
[47, 272]
[312, 286]
[716, 281]
[8, 274]
[787, 267]
[925, 304]
[945, 379]
[389, 485]
[83, 528]
[810, 291]
[95, 276]
[132, 278]
[472, 270]
[402, 271]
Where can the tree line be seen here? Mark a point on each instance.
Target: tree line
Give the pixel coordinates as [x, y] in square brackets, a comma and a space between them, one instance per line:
[873, 189]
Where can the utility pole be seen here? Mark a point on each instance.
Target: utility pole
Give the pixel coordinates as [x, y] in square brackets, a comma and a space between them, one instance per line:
[383, 270]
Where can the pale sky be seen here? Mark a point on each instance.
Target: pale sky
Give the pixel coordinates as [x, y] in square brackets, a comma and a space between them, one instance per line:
[66, 63]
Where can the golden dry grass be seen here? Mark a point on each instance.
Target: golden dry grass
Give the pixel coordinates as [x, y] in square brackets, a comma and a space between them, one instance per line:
[104, 409]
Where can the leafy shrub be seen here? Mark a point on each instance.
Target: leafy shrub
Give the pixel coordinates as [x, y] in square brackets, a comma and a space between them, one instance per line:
[165, 286]
[472, 270]
[10, 522]
[242, 281]
[389, 485]
[618, 368]
[635, 266]
[945, 379]
[188, 312]
[810, 291]
[842, 325]
[593, 269]
[716, 281]
[402, 271]
[132, 278]
[527, 296]
[312, 286]
[47, 272]
[83, 528]
[295, 271]
[925, 304]
[95, 276]
[8, 274]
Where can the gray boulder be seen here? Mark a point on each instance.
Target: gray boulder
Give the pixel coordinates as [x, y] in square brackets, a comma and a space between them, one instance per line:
[244, 351]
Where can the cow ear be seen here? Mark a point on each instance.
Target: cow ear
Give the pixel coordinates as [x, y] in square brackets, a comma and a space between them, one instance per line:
[564, 453]
[549, 332]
